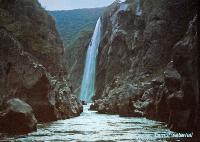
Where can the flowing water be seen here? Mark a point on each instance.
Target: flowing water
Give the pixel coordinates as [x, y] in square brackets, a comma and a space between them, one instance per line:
[88, 81]
[138, 8]
[94, 127]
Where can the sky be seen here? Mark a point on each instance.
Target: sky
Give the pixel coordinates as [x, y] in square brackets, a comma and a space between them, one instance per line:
[73, 4]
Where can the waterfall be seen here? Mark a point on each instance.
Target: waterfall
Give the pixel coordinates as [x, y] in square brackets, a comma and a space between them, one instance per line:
[89, 76]
[138, 8]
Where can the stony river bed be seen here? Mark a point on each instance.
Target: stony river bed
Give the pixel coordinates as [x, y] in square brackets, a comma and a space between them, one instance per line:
[94, 127]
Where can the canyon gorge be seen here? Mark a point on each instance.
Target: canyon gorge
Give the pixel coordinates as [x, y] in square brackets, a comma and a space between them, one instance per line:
[130, 72]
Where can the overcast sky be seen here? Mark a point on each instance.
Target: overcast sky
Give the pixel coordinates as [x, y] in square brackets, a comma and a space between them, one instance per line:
[73, 4]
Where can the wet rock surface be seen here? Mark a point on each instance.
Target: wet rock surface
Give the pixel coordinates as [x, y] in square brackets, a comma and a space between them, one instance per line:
[17, 118]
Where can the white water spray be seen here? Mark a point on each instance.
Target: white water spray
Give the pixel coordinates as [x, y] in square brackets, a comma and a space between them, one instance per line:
[138, 8]
[89, 76]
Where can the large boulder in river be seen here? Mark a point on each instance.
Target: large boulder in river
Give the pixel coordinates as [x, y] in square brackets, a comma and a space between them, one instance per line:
[17, 118]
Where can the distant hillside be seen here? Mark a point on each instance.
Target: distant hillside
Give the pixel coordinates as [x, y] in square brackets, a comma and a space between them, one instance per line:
[70, 23]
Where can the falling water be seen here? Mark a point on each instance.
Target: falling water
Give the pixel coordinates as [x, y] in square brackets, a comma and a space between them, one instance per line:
[88, 82]
[138, 8]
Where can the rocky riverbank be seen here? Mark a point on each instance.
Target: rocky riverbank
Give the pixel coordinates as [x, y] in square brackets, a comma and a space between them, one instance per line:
[32, 68]
[148, 62]
[91, 126]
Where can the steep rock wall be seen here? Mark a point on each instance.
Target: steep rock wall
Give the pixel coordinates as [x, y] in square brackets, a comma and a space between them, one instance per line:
[147, 63]
[137, 45]
[31, 65]
[35, 30]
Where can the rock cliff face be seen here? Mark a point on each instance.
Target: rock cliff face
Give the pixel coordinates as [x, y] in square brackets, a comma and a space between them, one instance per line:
[31, 62]
[148, 62]
[35, 30]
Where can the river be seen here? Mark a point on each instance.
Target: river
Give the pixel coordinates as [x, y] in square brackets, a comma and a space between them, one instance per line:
[94, 127]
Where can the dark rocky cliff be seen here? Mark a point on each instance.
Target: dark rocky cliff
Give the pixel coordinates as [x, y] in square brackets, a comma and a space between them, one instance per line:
[35, 30]
[31, 62]
[147, 64]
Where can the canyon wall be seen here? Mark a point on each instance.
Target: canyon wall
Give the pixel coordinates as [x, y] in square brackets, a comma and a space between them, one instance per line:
[32, 62]
[148, 62]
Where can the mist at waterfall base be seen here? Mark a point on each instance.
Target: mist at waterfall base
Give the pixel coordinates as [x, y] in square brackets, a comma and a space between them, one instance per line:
[89, 76]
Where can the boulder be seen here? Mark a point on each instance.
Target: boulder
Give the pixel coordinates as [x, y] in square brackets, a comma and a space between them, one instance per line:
[94, 106]
[22, 76]
[17, 118]
[74, 106]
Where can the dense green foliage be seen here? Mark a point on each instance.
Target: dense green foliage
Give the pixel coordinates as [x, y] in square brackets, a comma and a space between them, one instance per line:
[70, 23]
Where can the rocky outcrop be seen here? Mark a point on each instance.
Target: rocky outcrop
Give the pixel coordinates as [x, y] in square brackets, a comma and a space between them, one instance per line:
[23, 77]
[20, 112]
[36, 31]
[31, 62]
[118, 100]
[154, 51]
[140, 45]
